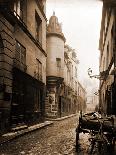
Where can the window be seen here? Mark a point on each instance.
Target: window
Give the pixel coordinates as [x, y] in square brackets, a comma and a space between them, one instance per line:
[75, 72]
[58, 62]
[76, 87]
[41, 4]
[107, 56]
[39, 70]
[104, 64]
[78, 91]
[20, 54]
[112, 40]
[18, 8]
[72, 71]
[38, 28]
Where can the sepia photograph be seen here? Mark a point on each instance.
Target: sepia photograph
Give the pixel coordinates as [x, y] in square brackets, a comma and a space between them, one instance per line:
[57, 77]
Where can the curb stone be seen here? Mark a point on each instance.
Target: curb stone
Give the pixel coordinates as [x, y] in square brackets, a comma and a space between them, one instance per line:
[12, 135]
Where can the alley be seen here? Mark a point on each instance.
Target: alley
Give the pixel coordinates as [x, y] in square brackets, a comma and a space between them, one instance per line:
[56, 139]
[57, 59]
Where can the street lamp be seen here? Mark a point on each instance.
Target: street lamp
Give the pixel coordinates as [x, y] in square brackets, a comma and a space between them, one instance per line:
[102, 75]
[91, 76]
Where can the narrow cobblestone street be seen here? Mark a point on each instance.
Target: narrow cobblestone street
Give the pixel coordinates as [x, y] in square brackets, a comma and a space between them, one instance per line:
[57, 77]
[57, 139]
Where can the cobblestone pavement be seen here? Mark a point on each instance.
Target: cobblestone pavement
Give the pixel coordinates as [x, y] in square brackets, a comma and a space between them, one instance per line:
[56, 139]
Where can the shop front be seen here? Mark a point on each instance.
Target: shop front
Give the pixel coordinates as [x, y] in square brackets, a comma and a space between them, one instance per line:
[27, 106]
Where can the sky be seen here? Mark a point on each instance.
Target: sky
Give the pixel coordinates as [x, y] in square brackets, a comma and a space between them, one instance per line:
[81, 21]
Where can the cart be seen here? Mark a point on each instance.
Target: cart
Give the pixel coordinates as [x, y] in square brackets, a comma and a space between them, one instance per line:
[97, 126]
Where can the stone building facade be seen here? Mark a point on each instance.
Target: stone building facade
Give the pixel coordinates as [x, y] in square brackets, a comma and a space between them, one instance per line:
[82, 97]
[70, 80]
[22, 62]
[107, 46]
[62, 68]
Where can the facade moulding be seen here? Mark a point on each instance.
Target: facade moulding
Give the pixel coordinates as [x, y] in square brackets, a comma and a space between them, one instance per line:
[57, 35]
[40, 8]
[53, 80]
[104, 41]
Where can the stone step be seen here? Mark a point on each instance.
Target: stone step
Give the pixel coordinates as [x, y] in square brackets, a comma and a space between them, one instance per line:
[20, 127]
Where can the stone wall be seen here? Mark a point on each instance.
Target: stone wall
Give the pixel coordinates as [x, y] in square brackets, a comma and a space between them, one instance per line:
[6, 62]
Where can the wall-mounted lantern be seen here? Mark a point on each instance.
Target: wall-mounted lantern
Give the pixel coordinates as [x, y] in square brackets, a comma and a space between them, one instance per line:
[102, 75]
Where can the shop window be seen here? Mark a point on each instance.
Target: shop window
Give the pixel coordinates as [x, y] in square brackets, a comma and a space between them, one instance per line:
[37, 100]
[38, 28]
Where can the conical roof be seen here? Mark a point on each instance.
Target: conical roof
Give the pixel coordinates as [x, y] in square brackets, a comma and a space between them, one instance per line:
[54, 26]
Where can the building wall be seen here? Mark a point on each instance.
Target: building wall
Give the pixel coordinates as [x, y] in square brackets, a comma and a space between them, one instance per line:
[31, 20]
[55, 67]
[77, 92]
[107, 60]
[82, 97]
[92, 103]
[55, 49]
[33, 53]
[13, 29]
[70, 78]
[6, 61]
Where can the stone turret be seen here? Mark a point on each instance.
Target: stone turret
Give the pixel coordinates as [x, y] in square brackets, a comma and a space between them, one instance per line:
[55, 47]
[55, 66]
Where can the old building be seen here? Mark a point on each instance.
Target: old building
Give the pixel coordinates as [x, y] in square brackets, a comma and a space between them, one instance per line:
[22, 62]
[92, 103]
[107, 46]
[62, 68]
[82, 97]
[55, 67]
[70, 80]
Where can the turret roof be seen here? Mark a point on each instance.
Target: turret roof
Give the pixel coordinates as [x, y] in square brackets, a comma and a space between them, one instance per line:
[54, 26]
